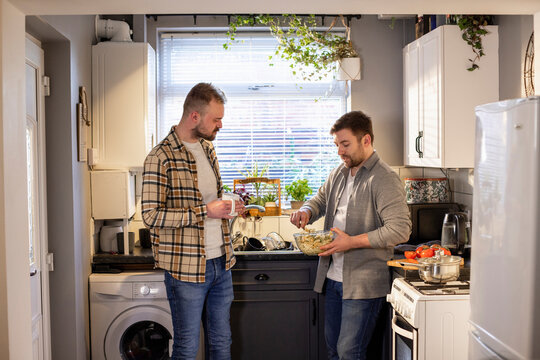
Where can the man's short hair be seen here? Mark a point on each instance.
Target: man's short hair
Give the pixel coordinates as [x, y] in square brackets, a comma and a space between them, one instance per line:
[200, 96]
[356, 121]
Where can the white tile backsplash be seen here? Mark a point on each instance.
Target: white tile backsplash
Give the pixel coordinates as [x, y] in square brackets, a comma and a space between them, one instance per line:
[267, 224]
[410, 172]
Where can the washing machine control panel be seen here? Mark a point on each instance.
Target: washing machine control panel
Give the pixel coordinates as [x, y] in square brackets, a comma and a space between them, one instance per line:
[147, 290]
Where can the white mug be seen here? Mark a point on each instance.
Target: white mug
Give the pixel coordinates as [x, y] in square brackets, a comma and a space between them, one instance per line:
[233, 198]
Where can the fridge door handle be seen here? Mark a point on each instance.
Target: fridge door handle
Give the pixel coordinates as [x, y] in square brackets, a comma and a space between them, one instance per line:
[492, 354]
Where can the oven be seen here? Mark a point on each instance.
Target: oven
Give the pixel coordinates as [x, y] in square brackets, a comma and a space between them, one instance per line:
[429, 322]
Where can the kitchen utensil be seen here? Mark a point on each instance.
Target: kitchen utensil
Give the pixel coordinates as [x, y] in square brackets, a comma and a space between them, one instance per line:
[254, 244]
[120, 242]
[437, 269]
[455, 232]
[426, 190]
[274, 241]
[144, 238]
[310, 242]
[107, 238]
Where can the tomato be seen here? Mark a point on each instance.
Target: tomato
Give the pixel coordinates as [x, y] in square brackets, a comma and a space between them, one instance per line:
[420, 249]
[410, 254]
[446, 251]
[427, 253]
[435, 246]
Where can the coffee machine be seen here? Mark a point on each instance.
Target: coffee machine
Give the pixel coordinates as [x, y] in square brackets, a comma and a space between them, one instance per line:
[455, 234]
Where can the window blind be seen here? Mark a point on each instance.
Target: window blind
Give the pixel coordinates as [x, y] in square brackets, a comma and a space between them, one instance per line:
[271, 117]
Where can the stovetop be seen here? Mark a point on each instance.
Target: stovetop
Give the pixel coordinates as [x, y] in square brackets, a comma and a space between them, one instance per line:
[459, 287]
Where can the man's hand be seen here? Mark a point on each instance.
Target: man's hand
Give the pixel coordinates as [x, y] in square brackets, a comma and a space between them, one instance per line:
[300, 218]
[219, 209]
[239, 207]
[341, 243]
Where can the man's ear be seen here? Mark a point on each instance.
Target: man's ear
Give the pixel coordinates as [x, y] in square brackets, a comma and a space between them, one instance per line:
[194, 117]
[367, 140]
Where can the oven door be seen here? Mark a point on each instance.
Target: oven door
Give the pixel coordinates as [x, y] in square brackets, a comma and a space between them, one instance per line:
[404, 339]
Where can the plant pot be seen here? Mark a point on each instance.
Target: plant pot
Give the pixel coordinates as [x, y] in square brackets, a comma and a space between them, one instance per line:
[271, 209]
[296, 204]
[253, 212]
[348, 69]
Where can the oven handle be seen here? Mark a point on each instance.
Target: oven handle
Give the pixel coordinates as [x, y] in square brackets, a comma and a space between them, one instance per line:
[401, 331]
[405, 333]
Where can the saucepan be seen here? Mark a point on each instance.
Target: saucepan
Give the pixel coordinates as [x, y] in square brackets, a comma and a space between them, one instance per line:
[437, 269]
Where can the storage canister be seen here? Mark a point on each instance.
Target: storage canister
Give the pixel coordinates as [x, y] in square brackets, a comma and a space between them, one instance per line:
[426, 190]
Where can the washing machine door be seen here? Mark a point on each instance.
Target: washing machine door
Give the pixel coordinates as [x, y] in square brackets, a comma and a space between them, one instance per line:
[140, 333]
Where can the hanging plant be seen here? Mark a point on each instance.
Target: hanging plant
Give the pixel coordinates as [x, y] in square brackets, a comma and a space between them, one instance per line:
[310, 52]
[473, 29]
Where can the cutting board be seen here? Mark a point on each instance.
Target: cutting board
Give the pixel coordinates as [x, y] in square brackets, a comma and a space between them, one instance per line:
[395, 263]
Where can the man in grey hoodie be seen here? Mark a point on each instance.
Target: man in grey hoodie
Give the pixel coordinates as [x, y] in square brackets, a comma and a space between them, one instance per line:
[364, 204]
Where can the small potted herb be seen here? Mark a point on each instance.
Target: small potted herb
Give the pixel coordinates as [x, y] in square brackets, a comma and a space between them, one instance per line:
[298, 190]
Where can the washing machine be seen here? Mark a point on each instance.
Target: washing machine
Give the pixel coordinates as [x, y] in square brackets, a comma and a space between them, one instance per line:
[130, 317]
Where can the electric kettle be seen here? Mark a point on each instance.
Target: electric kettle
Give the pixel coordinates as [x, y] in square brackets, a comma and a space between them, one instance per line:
[455, 234]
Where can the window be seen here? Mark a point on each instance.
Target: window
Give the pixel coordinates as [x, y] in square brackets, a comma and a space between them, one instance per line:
[270, 116]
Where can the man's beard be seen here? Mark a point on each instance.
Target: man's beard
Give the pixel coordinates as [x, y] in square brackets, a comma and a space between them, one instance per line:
[352, 162]
[210, 137]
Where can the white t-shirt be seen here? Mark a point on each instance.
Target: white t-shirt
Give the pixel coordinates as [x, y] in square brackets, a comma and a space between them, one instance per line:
[213, 235]
[335, 272]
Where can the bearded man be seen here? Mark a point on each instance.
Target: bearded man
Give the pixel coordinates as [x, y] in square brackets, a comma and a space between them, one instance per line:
[364, 204]
[189, 227]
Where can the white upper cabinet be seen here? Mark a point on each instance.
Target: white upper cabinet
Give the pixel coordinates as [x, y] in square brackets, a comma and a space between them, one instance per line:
[440, 95]
[124, 103]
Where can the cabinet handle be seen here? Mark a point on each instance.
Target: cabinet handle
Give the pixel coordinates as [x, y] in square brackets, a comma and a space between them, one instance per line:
[261, 277]
[417, 144]
[314, 321]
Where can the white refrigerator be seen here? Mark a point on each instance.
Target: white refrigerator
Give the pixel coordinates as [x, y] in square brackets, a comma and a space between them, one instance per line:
[505, 256]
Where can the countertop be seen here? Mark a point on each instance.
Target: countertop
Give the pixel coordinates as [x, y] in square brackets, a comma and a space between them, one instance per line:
[144, 256]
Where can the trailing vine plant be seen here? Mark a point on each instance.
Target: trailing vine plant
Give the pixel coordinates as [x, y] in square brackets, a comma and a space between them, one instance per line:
[311, 53]
[473, 29]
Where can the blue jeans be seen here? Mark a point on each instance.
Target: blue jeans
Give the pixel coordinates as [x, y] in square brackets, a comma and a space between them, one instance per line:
[210, 302]
[349, 323]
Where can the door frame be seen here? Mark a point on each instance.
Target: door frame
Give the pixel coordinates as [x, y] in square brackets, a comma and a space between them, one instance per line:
[42, 199]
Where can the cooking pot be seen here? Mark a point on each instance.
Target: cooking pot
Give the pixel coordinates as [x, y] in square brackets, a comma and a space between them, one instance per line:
[253, 244]
[438, 269]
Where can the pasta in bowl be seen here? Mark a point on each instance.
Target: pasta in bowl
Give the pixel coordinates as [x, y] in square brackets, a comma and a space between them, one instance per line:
[310, 242]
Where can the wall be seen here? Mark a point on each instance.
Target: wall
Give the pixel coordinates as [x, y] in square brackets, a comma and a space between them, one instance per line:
[67, 44]
[514, 33]
[15, 317]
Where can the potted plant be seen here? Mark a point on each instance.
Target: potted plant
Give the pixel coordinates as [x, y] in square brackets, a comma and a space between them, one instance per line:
[311, 52]
[473, 28]
[298, 190]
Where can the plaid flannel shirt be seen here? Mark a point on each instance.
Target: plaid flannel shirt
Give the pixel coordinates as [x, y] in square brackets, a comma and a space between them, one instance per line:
[173, 209]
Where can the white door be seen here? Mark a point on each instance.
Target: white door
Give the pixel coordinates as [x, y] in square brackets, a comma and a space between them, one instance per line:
[37, 219]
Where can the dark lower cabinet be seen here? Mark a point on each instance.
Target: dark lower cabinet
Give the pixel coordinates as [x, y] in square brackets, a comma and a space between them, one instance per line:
[275, 313]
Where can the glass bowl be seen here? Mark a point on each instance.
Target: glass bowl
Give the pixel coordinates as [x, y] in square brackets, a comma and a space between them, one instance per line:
[310, 242]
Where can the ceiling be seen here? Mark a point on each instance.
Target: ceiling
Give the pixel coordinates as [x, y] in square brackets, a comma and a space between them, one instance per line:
[82, 7]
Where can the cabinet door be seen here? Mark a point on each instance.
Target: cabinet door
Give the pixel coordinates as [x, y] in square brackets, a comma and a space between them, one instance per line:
[431, 92]
[123, 94]
[412, 103]
[270, 325]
